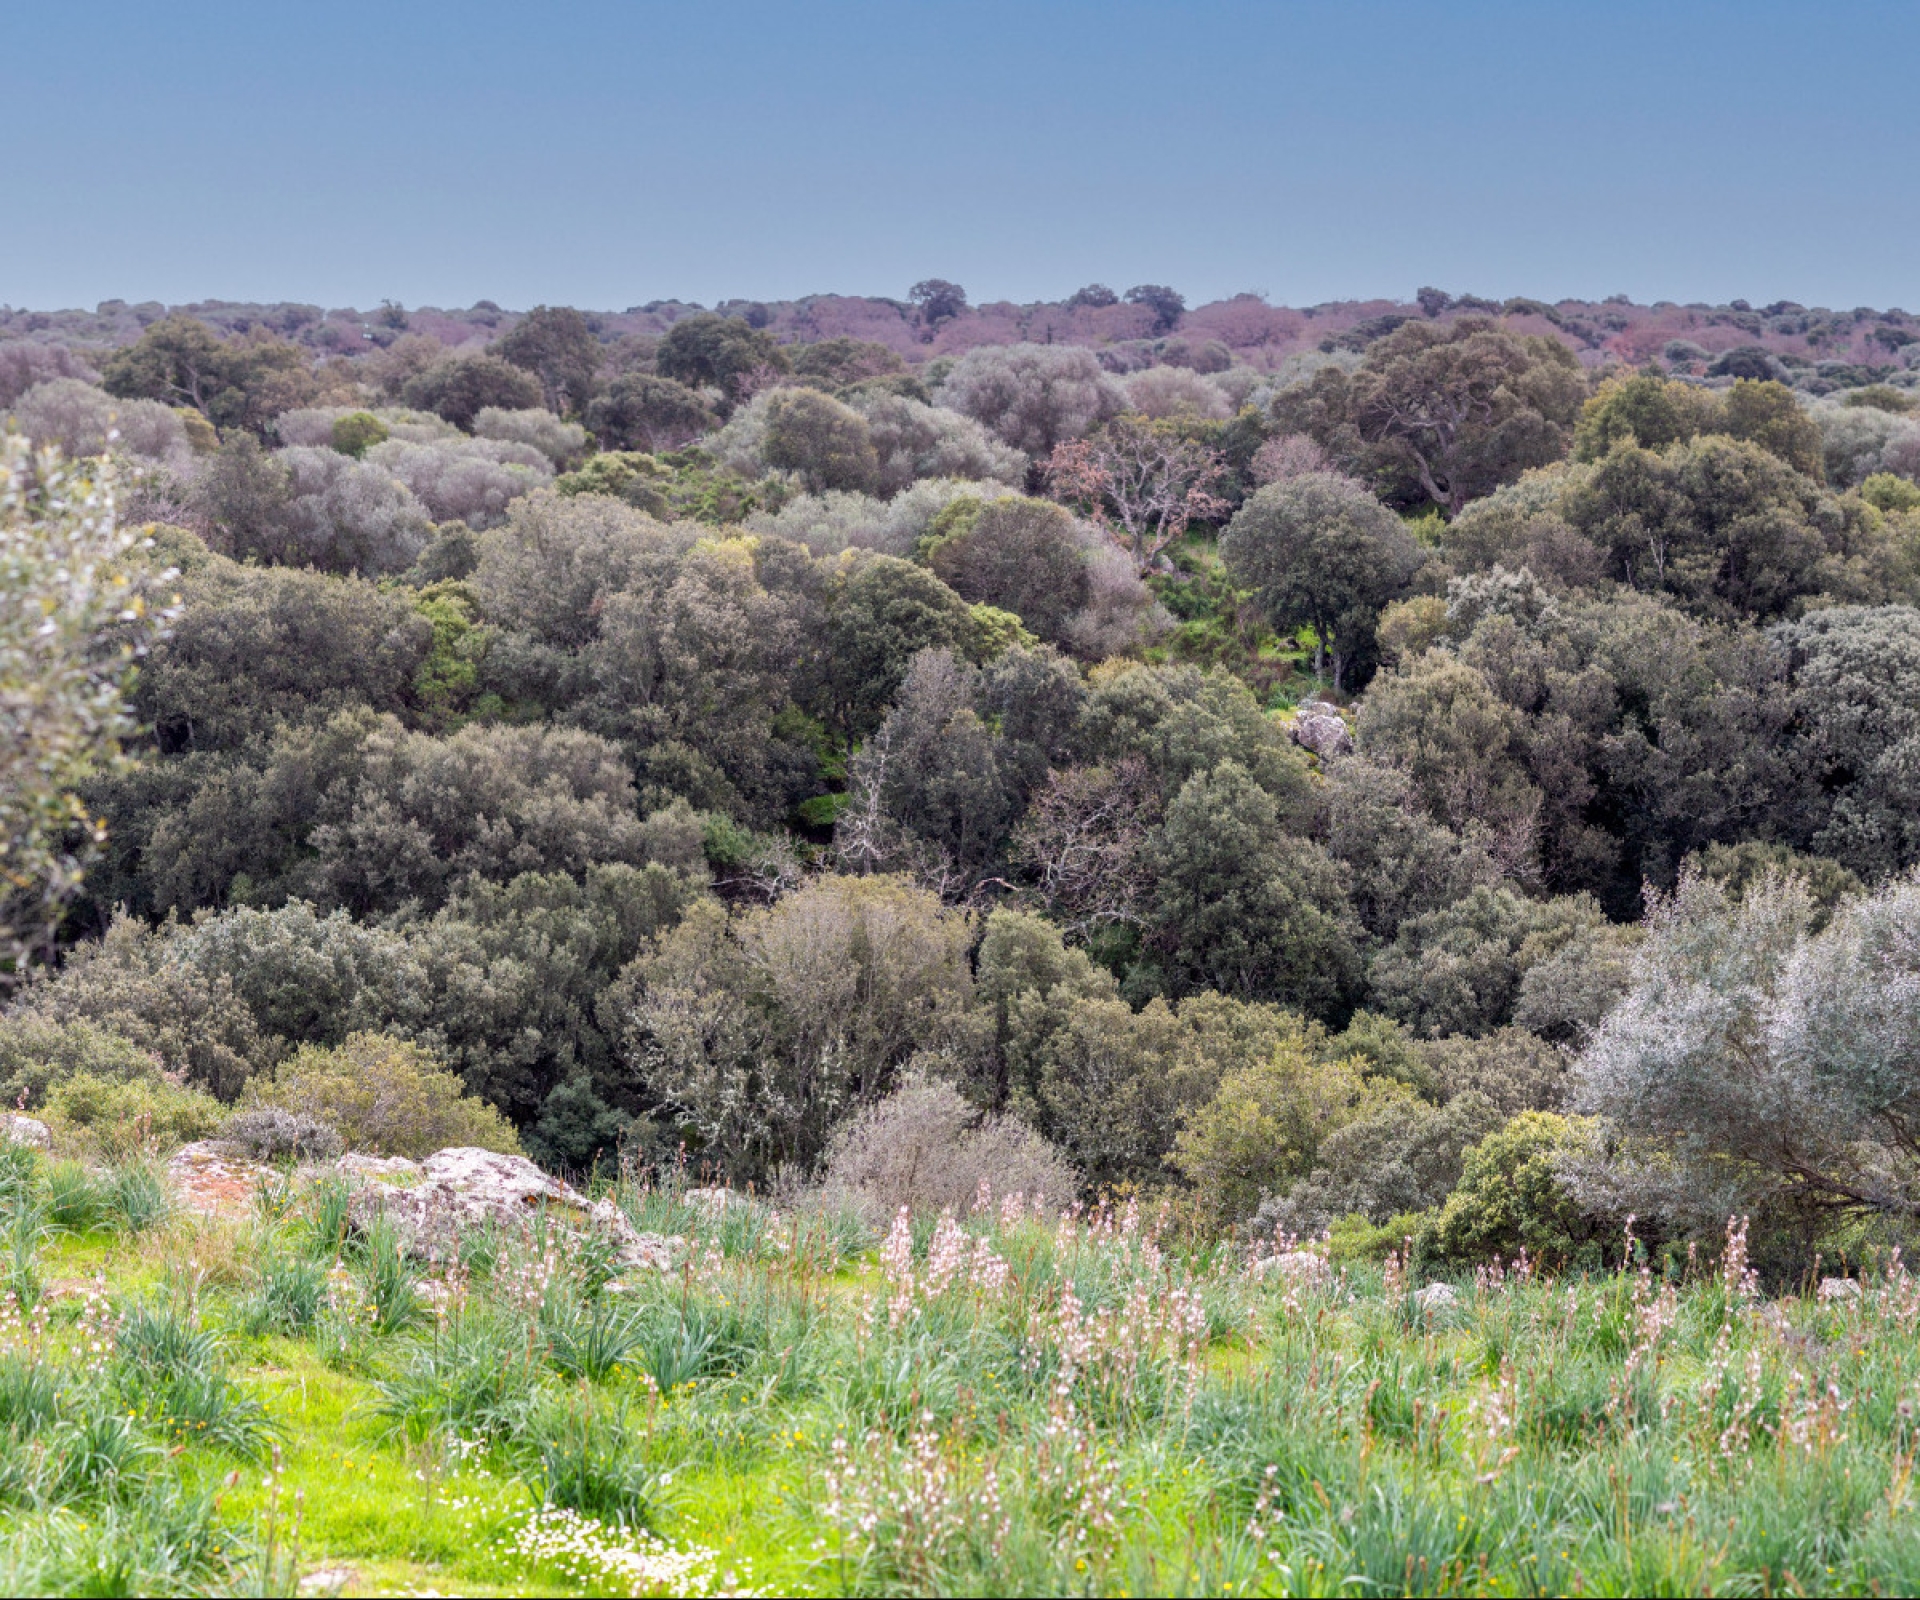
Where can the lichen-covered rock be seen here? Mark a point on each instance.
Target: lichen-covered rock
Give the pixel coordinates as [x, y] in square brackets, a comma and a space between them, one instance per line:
[398, 1168]
[1832, 1289]
[29, 1130]
[1295, 1266]
[1320, 728]
[1436, 1297]
[464, 1188]
[211, 1176]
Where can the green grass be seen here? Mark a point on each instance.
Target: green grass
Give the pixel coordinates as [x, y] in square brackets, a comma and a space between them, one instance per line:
[1028, 1408]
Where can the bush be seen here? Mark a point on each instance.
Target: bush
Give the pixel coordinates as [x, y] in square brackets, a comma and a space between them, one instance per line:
[1758, 1067]
[1405, 1158]
[1511, 1197]
[343, 516]
[384, 1095]
[914, 441]
[37, 1052]
[267, 1132]
[1266, 1125]
[1514, 1069]
[356, 433]
[78, 418]
[119, 1118]
[924, 1147]
[1459, 970]
[562, 443]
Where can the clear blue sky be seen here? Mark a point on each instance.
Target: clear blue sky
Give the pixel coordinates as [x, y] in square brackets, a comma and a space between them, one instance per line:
[604, 155]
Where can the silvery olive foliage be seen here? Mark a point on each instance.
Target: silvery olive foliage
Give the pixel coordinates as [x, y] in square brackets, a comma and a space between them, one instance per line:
[79, 604]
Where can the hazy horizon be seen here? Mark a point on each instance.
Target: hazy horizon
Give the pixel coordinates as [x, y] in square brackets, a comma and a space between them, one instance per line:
[612, 155]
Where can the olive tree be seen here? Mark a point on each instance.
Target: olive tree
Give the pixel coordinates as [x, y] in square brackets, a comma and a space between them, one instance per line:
[79, 605]
[1032, 396]
[1755, 1066]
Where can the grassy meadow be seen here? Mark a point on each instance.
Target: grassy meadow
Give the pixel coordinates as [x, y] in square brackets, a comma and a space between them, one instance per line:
[1000, 1403]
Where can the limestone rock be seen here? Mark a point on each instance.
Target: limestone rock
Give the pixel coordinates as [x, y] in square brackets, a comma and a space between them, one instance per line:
[29, 1130]
[464, 1188]
[353, 1162]
[1320, 728]
[211, 1176]
[1436, 1297]
[1296, 1266]
[1835, 1289]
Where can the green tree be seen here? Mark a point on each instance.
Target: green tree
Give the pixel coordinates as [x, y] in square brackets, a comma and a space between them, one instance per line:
[462, 386]
[1459, 969]
[1245, 908]
[234, 383]
[1771, 416]
[1466, 405]
[1265, 1126]
[1856, 691]
[1319, 551]
[1025, 556]
[840, 363]
[642, 412]
[764, 1030]
[1512, 1197]
[825, 442]
[708, 350]
[556, 345]
[881, 613]
[1726, 527]
[356, 433]
[1181, 722]
[1646, 411]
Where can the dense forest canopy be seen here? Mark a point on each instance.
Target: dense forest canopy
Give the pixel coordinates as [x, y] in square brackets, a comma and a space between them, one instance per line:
[1266, 751]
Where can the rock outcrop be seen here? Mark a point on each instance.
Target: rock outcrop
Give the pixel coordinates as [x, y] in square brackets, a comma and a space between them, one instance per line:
[1320, 728]
[29, 1130]
[463, 1188]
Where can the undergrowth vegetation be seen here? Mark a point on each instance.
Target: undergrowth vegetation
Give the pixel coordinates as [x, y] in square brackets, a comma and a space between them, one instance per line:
[1009, 1401]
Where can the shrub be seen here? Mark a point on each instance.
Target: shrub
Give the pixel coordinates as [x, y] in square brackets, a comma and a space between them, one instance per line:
[119, 1118]
[1459, 970]
[356, 433]
[1511, 1196]
[384, 1095]
[1404, 1158]
[267, 1132]
[924, 1147]
[78, 417]
[343, 516]
[562, 443]
[914, 441]
[1514, 1069]
[1265, 1126]
[37, 1052]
